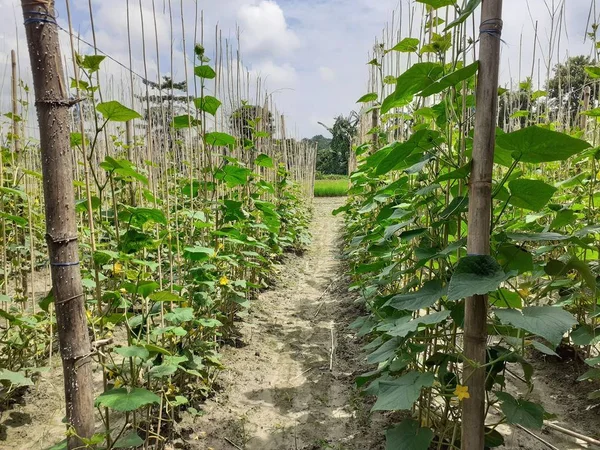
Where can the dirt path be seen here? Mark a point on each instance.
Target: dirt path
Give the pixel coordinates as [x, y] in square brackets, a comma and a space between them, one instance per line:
[291, 386]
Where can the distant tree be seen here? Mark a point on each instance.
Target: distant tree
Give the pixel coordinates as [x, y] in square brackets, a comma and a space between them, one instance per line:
[334, 160]
[568, 82]
[323, 152]
[247, 118]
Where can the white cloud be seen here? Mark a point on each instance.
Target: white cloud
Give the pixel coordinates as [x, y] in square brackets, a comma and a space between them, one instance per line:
[264, 30]
[326, 73]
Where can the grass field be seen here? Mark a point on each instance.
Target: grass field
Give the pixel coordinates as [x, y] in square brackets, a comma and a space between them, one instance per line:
[331, 188]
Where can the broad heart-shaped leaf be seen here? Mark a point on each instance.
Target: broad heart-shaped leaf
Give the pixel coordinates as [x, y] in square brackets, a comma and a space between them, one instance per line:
[396, 157]
[124, 399]
[475, 275]
[116, 112]
[90, 62]
[134, 351]
[180, 315]
[430, 293]
[408, 435]
[130, 440]
[412, 81]
[198, 253]
[435, 4]
[205, 72]
[403, 326]
[208, 104]
[235, 175]
[263, 160]
[165, 296]
[184, 121]
[406, 45]
[402, 393]
[451, 79]
[521, 412]
[549, 322]
[530, 194]
[220, 139]
[536, 145]
[15, 378]
[123, 168]
[371, 97]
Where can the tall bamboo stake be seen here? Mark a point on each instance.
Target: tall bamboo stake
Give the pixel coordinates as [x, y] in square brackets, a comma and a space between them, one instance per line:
[480, 206]
[53, 115]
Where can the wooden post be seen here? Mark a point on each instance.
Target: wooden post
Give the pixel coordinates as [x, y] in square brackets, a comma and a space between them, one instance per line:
[586, 105]
[52, 106]
[480, 208]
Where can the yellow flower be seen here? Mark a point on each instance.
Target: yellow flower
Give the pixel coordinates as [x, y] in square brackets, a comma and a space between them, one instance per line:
[462, 392]
[123, 291]
[220, 246]
[223, 281]
[118, 383]
[117, 268]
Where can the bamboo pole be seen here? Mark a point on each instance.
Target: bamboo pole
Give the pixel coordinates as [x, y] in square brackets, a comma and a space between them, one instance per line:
[480, 205]
[53, 114]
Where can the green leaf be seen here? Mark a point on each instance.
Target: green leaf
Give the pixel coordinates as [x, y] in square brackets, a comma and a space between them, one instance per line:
[593, 72]
[116, 112]
[184, 121]
[512, 257]
[475, 275]
[402, 327]
[131, 439]
[412, 81]
[205, 72]
[451, 79]
[521, 412]
[90, 62]
[180, 315]
[15, 192]
[163, 370]
[532, 195]
[140, 216]
[198, 253]
[263, 160]
[134, 351]
[402, 393]
[123, 168]
[464, 14]
[235, 175]
[165, 296]
[408, 436]
[406, 45]
[208, 104]
[368, 98]
[15, 378]
[536, 145]
[549, 322]
[430, 293]
[124, 399]
[435, 4]
[220, 139]
[536, 237]
[16, 219]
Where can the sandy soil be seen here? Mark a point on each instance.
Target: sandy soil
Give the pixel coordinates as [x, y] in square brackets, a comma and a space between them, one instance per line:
[291, 386]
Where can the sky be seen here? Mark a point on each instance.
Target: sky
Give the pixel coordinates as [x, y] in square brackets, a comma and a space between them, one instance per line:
[311, 54]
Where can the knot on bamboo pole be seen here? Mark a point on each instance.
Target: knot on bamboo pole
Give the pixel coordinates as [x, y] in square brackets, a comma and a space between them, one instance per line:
[492, 27]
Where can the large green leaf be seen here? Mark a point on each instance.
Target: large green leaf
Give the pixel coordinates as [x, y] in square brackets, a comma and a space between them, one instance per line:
[549, 322]
[235, 175]
[220, 139]
[396, 157]
[521, 412]
[116, 112]
[430, 293]
[536, 145]
[129, 440]
[123, 168]
[402, 327]
[435, 4]
[371, 97]
[406, 45]
[134, 351]
[475, 275]
[205, 72]
[125, 399]
[180, 315]
[15, 378]
[412, 81]
[464, 14]
[263, 160]
[208, 104]
[402, 393]
[408, 435]
[451, 79]
[530, 194]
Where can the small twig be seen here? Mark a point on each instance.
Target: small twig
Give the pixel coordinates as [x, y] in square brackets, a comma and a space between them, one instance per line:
[319, 299]
[332, 349]
[233, 444]
[537, 437]
[102, 343]
[587, 439]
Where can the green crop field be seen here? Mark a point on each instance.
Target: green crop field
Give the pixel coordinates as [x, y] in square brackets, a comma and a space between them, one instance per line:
[331, 188]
